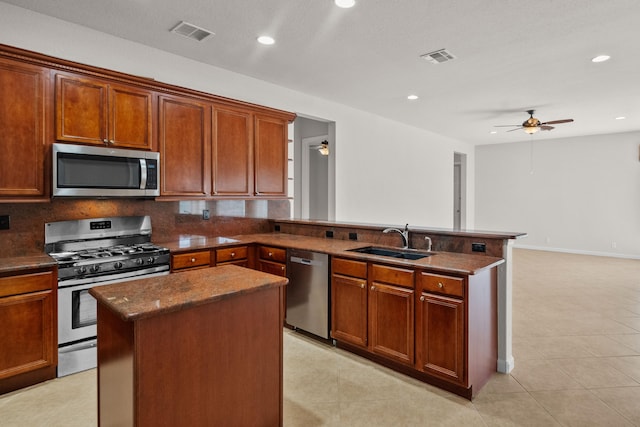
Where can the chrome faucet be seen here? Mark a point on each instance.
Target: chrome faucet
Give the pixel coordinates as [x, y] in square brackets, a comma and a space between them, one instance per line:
[404, 234]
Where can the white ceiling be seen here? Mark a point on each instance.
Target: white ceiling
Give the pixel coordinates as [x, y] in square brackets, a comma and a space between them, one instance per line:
[511, 55]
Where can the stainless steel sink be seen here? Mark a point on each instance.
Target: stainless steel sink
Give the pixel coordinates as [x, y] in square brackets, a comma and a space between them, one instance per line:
[394, 253]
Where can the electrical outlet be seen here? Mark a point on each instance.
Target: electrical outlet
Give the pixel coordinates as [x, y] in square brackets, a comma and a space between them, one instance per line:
[353, 236]
[5, 222]
[205, 214]
[478, 247]
[329, 234]
[277, 227]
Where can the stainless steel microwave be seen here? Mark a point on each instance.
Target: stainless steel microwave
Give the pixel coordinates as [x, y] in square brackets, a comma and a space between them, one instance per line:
[84, 171]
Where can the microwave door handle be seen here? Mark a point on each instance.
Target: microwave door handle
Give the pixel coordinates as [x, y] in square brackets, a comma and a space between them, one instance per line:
[143, 174]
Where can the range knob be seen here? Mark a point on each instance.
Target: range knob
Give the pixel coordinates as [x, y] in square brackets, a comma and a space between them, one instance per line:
[151, 260]
[82, 270]
[117, 265]
[94, 268]
[139, 261]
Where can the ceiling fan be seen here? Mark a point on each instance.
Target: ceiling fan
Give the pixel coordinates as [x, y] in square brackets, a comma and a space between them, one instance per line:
[533, 125]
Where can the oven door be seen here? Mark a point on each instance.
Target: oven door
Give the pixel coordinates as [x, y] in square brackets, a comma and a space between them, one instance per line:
[76, 313]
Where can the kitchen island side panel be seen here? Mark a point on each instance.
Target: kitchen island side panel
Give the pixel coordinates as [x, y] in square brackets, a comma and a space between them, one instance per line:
[213, 364]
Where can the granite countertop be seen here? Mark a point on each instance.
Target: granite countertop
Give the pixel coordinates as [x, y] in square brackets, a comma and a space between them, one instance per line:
[143, 298]
[445, 262]
[27, 262]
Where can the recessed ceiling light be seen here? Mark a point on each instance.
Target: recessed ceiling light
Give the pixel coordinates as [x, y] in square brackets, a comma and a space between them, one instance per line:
[601, 58]
[266, 40]
[620, 118]
[493, 132]
[412, 97]
[345, 3]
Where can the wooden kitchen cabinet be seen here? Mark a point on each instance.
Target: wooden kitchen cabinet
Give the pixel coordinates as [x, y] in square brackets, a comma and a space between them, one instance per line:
[190, 260]
[372, 307]
[270, 156]
[272, 260]
[185, 147]
[440, 327]
[349, 301]
[93, 111]
[232, 152]
[237, 255]
[23, 123]
[390, 313]
[29, 350]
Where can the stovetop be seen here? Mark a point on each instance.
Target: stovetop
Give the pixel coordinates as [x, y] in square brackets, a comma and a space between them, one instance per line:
[100, 253]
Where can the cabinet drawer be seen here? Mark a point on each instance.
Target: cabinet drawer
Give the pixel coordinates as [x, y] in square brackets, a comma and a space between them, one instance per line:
[231, 254]
[348, 267]
[25, 283]
[273, 254]
[446, 285]
[191, 259]
[392, 275]
[276, 268]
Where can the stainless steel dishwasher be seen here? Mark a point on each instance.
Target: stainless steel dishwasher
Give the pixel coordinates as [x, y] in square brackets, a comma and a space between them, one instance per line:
[308, 291]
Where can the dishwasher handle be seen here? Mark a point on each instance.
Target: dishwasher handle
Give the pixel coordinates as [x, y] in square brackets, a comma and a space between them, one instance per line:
[299, 260]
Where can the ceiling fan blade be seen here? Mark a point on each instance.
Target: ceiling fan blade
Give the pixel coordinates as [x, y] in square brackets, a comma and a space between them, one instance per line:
[518, 128]
[545, 127]
[555, 122]
[504, 126]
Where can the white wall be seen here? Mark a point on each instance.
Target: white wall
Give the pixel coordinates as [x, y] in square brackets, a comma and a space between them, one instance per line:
[386, 172]
[577, 195]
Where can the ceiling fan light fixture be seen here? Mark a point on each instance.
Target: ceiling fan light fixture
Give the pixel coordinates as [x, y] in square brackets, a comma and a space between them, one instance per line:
[601, 58]
[531, 129]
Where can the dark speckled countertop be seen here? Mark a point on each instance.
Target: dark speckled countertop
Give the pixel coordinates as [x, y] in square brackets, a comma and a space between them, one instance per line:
[139, 299]
[30, 262]
[445, 262]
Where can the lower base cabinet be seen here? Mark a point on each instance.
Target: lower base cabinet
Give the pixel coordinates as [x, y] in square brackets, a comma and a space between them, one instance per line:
[438, 328]
[28, 338]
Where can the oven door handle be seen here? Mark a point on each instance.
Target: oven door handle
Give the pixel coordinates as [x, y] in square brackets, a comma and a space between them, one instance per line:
[79, 346]
[143, 174]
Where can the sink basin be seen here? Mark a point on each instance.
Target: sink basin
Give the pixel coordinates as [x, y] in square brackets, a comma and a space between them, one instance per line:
[394, 253]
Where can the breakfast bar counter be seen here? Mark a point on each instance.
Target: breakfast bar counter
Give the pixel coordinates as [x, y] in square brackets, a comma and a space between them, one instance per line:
[198, 348]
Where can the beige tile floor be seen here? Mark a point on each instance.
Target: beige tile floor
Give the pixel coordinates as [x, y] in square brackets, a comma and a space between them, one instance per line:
[576, 343]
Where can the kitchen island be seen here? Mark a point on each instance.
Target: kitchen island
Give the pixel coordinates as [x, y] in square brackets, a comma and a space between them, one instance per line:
[198, 348]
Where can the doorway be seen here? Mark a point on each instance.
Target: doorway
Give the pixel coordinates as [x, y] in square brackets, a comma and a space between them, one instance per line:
[459, 190]
[314, 176]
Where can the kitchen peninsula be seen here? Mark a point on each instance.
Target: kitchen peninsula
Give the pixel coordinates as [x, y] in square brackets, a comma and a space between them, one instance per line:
[197, 348]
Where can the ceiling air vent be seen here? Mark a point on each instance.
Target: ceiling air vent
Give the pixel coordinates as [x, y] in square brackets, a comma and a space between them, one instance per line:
[438, 56]
[191, 31]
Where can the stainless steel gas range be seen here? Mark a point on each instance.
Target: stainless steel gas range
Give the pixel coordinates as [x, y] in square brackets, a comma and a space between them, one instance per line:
[96, 252]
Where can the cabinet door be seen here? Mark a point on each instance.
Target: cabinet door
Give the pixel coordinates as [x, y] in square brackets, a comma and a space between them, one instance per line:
[270, 156]
[349, 309]
[81, 110]
[22, 125]
[184, 140]
[440, 336]
[391, 322]
[232, 153]
[130, 117]
[27, 333]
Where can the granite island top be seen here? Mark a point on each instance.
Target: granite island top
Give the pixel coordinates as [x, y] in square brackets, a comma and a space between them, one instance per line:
[445, 262]
[143, 298]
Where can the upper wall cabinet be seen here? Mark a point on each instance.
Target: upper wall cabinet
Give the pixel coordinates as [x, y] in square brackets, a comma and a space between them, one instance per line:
[270, 156]
[92, 111]
[185, 142]
[232, 159]
[23, 111]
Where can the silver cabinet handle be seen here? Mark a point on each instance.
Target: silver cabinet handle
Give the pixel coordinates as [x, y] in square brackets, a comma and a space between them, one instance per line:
[440, 285]
[270, 255]
[422, 298]
[361, 285]
[193, 260]
[373, 288]
[233, 254]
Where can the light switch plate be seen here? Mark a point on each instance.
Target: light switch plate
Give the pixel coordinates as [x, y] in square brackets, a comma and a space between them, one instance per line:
[5, 222]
